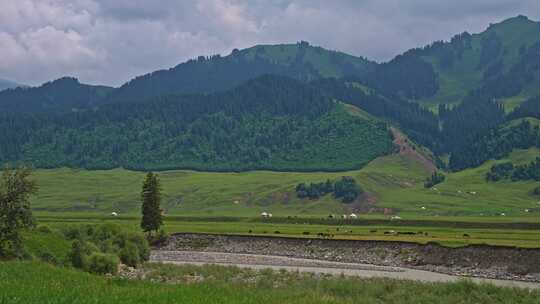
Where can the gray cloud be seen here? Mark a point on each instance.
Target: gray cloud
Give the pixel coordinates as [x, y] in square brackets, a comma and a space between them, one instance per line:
[103, 41]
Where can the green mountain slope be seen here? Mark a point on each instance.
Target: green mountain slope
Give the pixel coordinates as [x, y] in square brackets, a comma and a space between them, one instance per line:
[216, 73]
[270, 122]
[506, 51]
[62, 95]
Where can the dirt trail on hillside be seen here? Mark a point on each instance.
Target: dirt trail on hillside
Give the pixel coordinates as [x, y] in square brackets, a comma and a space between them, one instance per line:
[406, 149]
[317, 266]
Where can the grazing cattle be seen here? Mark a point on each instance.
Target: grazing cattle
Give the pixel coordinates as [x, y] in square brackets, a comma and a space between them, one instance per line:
[353, 216]
[114, 214]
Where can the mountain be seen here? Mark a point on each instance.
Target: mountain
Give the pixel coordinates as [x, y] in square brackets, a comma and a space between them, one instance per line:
[61, 95]
[270, 122]
[503, 61]
[216, 73]
[7, 84]
[280, 106]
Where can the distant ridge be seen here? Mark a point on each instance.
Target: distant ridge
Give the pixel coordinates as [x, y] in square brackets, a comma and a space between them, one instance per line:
[8, 84]
[300, 61]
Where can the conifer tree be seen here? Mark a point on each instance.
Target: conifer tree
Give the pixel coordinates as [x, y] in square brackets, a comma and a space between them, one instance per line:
[151, 199]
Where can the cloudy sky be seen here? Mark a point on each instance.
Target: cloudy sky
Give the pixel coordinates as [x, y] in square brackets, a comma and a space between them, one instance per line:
[110, 41]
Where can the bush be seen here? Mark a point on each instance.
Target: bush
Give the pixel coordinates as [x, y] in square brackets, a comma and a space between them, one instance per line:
[105, 232]
[44, 229]
[101, 263]
[130, 255]
[138, 240]
[77, 255]
[72, 233]
[536, 191]
[142, 246]
[48, 257]
[107, 241]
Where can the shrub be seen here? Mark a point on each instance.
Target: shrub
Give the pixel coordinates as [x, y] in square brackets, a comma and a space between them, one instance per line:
[138, 240]
[142, 246]
[130, 255]
[106, 241]
[44, 229]
[78, 254]
[108, 246]
[72, 233]
[101, 263]
[105, 232]
[48, 257]
[536, 191]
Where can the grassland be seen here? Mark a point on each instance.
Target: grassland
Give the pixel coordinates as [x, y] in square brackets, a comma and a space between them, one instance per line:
[444, 233]
[31, 282]
[394, 182]
[464, 209]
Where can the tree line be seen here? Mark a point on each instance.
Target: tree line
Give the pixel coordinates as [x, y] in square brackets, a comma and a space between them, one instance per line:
[508, 170]
[346, 189]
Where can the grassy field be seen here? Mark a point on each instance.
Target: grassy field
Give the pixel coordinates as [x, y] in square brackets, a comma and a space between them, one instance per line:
[394, 182]
[464, 209]
[31, 282]
[446, 235]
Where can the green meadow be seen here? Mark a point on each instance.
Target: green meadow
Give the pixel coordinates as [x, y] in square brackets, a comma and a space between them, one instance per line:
[394, 182]
[33, 282]
[230, 203]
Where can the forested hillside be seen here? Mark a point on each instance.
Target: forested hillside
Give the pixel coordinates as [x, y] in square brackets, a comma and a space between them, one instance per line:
[227, 113]
[62, 95]
[421, 124]
[502, 62]
[268, 123]
[217, 73]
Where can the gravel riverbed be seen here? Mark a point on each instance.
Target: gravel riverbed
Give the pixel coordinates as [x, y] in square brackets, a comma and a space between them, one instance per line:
[490, 262]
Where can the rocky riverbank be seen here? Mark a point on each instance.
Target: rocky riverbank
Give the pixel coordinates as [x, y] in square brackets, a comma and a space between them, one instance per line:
[473, 261]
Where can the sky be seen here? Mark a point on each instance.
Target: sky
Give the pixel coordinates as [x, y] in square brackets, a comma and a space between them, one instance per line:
[111, 41]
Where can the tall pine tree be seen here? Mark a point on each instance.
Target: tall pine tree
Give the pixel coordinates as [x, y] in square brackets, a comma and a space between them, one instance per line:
[151, 199]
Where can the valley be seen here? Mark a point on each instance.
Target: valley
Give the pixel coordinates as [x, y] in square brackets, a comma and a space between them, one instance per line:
[279, 173]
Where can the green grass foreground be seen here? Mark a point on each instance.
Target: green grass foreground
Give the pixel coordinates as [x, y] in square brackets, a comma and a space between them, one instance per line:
[32, 282]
